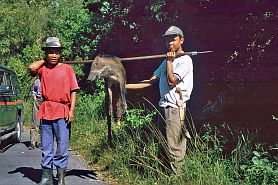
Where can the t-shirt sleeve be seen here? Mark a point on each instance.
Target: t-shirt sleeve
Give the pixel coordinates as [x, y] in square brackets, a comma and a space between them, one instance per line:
[40, 70]
[159, 70]
[73, 80]
[183, 67]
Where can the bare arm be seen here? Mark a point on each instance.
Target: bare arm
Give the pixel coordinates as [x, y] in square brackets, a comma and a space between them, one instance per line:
[172, 79]
[33, 68]
[70, 117]
[142, 84]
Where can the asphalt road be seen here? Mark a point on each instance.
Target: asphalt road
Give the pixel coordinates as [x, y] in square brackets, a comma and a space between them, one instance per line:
[20, 166]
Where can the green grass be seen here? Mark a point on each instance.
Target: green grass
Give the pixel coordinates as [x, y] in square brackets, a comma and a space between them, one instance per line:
[134, 160]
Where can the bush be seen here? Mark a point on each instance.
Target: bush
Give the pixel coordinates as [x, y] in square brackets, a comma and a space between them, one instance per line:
[260, 169]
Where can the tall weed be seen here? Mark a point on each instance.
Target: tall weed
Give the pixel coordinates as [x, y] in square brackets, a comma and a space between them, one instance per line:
[135, 158]
[89, 126]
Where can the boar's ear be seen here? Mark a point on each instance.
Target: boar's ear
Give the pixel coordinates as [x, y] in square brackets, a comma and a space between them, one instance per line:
[94, 64]
[100, 59]
[96, 58]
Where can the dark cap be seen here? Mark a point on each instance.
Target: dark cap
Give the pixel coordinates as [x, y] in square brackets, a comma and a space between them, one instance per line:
[52, 42]
[173, 30]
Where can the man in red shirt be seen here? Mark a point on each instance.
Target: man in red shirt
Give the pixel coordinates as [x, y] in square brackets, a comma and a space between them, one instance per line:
[58, 85]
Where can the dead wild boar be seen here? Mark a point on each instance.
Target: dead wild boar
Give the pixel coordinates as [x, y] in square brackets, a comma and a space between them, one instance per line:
[113, 72]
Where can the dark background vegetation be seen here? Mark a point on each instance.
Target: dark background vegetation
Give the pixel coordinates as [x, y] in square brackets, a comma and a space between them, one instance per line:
[236, 85]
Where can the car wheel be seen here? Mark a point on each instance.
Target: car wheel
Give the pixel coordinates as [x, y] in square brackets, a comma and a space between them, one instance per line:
[18, 130]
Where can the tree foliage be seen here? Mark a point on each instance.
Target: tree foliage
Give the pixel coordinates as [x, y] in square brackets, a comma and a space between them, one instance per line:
[25, 25]
[237, 82]
[241, 34]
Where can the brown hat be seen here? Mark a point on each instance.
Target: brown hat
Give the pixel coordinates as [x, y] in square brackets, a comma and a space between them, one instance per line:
[52, 42]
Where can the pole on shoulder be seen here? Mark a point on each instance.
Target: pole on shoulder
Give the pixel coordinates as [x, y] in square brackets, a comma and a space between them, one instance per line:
[190, 53]
[78, 62]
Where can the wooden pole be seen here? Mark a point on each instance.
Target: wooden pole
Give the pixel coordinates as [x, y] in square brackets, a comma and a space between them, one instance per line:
[191, 53]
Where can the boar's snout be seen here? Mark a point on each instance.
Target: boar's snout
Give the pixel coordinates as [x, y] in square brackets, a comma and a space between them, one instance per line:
[91, 77]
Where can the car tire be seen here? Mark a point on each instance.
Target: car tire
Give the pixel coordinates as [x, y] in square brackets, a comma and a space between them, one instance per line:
[18, 130]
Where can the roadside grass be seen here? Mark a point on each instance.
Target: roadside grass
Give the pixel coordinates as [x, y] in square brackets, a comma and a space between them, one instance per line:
[88, 130]
[134, 159]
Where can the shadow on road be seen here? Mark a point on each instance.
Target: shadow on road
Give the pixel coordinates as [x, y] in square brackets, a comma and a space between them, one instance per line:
[35, 174]
[29, 172]
[82, 173]
[8, 143]
[26, 143]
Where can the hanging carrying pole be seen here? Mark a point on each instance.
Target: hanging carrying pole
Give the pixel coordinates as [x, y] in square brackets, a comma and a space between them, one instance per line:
[190, 53]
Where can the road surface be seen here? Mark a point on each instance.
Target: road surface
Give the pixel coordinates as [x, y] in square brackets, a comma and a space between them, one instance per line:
[20, 166]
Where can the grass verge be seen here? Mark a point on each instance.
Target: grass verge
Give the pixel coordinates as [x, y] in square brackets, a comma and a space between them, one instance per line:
[134, 160]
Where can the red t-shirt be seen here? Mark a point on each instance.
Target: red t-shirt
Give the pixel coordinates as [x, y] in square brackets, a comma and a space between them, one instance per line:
[56, 85]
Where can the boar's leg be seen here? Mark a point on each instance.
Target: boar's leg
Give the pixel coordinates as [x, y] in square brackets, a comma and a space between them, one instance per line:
[121, 104]
[109, 111]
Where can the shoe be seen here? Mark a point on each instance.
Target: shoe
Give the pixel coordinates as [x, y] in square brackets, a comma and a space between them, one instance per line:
[31, 147]
[61, 172]
[39, 145]
[46, 177]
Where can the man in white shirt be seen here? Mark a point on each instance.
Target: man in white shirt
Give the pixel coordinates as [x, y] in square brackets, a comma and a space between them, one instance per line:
[175, 76]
